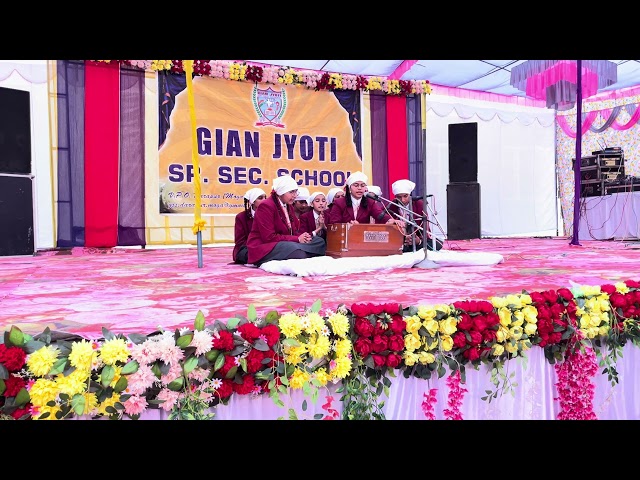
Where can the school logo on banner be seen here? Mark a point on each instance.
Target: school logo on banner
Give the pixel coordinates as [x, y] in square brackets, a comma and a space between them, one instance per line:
[270, 106]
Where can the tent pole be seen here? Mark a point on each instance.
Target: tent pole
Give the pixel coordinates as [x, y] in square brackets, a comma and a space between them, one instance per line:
[576, 168]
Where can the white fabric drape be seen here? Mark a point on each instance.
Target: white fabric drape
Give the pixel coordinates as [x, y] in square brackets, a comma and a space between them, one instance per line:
[516, 164]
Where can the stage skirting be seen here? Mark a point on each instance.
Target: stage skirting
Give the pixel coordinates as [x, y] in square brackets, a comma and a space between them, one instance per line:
[531, 399]
[615, 216]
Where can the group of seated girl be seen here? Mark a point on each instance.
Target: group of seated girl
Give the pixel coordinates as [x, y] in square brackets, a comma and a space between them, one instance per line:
[272, 228]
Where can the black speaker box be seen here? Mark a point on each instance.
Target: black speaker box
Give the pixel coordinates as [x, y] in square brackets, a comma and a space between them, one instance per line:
[15, 131]
[16, 215]
[463, 152]
[463, 211]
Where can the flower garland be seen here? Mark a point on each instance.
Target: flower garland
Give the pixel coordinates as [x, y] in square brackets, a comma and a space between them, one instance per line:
[311, 79]
[189, 372]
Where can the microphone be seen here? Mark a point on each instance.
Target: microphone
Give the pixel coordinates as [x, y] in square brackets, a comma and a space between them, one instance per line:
[372, 196]
[427, 196]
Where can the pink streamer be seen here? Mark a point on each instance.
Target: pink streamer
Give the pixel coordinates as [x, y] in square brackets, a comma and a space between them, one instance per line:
[588, 121]
[564, 70]
[632, 121]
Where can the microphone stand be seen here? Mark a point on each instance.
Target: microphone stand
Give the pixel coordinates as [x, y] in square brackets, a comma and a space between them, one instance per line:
[426, 263]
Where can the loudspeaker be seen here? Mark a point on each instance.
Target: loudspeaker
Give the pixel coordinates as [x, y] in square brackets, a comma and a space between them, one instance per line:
[463, 152]
[15, 131]
[16, 215]
[463, 211]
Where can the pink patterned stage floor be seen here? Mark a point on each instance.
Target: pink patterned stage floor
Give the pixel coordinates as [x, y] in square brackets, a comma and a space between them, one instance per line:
[81, 291]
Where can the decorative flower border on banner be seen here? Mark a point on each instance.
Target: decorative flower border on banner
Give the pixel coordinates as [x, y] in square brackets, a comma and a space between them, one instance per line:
[311, 79]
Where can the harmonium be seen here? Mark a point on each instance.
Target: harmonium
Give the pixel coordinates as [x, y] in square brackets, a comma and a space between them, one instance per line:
[363, 240]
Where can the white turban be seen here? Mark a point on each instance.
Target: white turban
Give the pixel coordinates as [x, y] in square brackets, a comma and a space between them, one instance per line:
[284, 184]
[253, 193]
[303, 194]
[313, 196]
[356, 177]
[332, 193]
[402, 186]
[374, 189]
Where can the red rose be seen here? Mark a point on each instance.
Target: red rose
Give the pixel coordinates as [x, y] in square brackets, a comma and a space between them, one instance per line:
[18, 413]
[377, 309]
[555, 337]
[249, 331]
[618, 300]
[393, 360]
[466, 322]
[476, 337]
[12, 357]
[13, 385]
[363, 327]
[362, 346]
[254, 360]
[608, 288]
[536, 297]
[391, 308]
[632, 284]
[489, 335]
[480, 323]
[379, 360]
[379, 329]
[229, 363]
[247, 385]
[397, 324]
[472, 354]
[271, 333]
[459, 339]
[550, 296]
[485, 306]
[226, 389]
[396, 343]
[380, 343]
[543, 311]
[361, 309]
[224, 342]
[492, 319]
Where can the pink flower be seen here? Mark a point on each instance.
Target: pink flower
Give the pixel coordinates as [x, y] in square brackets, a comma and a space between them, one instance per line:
[203, 342]
[135, 405]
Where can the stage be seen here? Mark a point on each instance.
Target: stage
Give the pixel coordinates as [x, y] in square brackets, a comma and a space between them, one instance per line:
[80, 291]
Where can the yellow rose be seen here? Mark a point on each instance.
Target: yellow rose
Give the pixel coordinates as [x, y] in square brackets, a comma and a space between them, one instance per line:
[621, 287]
[510, 347]
[603, 331]
[530, 328]
[426, 358]
[498, 350]
[448, 326]
[446, 342]
[514, 300]
[431, 325]
[505, 316]
[530, 313]
[410, 358]
[412, 342]
[413, 324]
[516, 332]
[425, 312]
[498, 302]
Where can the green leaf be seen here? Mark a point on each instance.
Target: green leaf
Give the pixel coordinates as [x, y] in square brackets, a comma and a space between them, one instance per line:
[211, 355]
[198, 324]
[108, 372]
[33, 346]
[130, 367]
[261, 345]
[22, 398]
[137, 338]
[232, 372]
[58, 366]
[219, 363]
[121, 384]
[190, 364]
[232, 323]
[176, 385]
[78, 404]
[4, 373]
[184, 340]
[292, 414]
[3, 386]
[252, 315]
[16, 337]
[316, 306]
[272, 317]
[243, 364]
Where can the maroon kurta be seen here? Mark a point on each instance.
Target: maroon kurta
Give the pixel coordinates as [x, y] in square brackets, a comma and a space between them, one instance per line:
[308, 224]
[270, 228]
[243, 224]
[341, 213]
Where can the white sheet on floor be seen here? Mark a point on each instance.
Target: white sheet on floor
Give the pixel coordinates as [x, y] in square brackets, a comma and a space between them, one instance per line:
[339, 266]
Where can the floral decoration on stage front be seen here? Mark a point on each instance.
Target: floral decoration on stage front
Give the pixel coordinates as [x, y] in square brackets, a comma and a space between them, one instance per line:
[190, 372]
[311, 79]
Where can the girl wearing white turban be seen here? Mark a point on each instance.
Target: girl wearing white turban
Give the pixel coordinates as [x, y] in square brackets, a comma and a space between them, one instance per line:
[355, 207]
[275, 234]
[243, 223]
